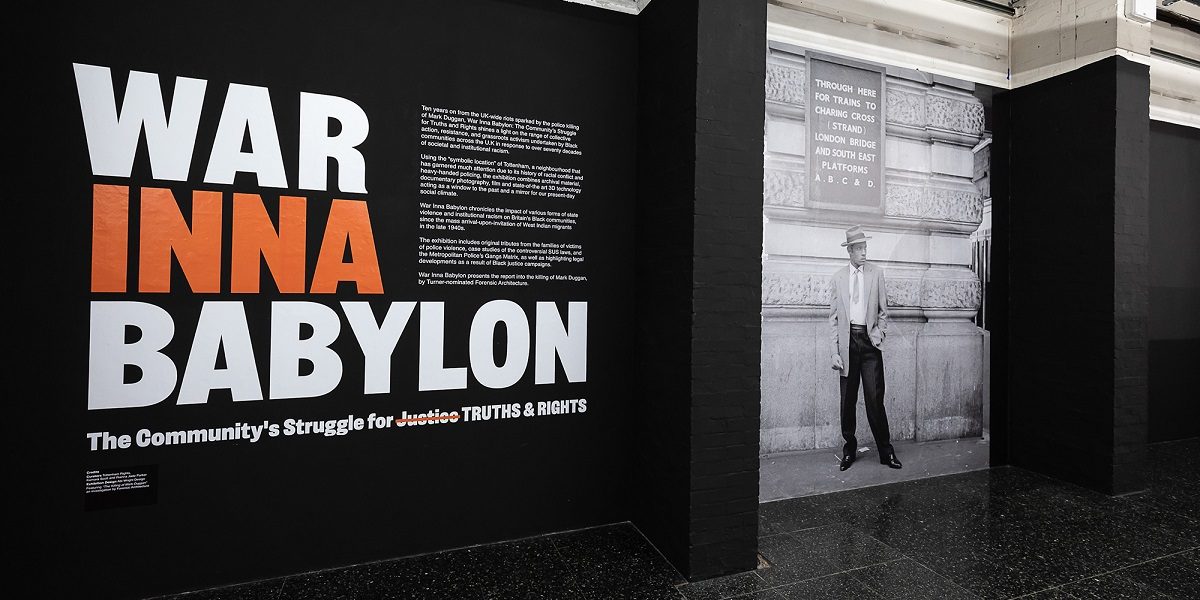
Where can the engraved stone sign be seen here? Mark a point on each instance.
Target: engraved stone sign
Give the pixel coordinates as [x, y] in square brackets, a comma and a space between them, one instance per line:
[845, 135]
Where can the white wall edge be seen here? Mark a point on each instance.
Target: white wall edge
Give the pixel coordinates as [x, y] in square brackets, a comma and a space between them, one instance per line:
[1170, 110]
[1039, 74]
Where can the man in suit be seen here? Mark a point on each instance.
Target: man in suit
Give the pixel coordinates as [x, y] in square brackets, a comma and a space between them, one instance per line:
[858, 320]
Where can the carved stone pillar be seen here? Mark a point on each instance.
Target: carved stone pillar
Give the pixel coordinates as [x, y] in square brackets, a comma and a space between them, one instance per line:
[933, 357]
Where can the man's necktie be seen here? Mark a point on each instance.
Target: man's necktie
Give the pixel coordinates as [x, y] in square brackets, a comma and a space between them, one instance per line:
[854, 287]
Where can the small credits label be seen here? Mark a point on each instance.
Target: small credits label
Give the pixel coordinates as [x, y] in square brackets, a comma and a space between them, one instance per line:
[124, 486]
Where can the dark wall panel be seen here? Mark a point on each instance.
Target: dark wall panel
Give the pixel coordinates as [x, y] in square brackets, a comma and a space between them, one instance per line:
[1131, 277]
[727, 285]
[1076, 260]
[666, 178]
[999, 307]
[701, 103]
[1174, 280]
[239, 511]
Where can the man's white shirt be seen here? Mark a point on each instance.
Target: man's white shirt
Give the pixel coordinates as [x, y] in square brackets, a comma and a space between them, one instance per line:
[858, 310]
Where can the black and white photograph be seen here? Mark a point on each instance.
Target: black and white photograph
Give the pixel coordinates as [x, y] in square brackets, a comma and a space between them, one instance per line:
[876, 237]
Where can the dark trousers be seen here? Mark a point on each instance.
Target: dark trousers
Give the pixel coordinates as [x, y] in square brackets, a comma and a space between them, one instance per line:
[866, 361]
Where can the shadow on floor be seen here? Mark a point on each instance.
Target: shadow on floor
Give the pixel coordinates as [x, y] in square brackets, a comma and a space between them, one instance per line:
[995, 533]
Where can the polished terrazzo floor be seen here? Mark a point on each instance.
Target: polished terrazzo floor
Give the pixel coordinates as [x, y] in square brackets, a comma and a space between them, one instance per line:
[997, 533]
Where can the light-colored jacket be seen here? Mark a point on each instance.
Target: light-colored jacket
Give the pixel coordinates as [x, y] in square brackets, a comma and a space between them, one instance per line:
[875, 289]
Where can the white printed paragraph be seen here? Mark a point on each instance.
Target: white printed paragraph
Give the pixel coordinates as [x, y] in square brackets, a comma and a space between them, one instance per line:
[498, 134]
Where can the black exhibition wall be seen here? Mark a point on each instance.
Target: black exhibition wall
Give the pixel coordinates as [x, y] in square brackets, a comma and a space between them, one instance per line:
[1072, 196]
[667, 72]
[325, 284]
[699, 243]
[1174, 280]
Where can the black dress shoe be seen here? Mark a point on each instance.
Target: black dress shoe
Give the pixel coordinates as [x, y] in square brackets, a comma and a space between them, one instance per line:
[847, 460]
[891, 461]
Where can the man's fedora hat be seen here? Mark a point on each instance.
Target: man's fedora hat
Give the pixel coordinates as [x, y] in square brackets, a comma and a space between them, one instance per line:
[855, 235]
